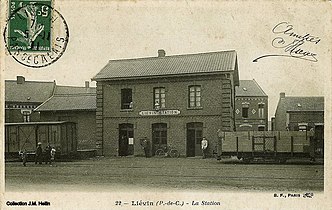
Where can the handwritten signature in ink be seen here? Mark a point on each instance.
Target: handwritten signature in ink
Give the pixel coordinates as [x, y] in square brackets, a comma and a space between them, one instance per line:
[292, 43]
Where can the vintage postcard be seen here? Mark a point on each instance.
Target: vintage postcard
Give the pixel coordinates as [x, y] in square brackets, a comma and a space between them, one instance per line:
[165, 104]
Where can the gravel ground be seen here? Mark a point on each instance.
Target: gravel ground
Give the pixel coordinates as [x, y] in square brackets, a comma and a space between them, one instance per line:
[109, 174]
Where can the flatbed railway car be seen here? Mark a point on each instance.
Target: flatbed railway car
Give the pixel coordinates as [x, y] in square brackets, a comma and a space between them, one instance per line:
[25, 136]
[276, 146]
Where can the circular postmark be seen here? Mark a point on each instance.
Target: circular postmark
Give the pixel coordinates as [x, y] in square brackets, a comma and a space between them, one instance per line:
[36, 35]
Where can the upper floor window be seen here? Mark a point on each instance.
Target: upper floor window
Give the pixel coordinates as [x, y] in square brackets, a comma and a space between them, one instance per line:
[159, 98]
[261, 110]
[245, 110]
[194, 96]
[126, 99]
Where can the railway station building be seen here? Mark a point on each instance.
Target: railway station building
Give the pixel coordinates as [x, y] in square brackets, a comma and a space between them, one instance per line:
[168, 100]
[251, 107]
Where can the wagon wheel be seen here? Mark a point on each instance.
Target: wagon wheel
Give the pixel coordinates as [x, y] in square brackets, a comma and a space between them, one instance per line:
[174, 153]
[160, 153]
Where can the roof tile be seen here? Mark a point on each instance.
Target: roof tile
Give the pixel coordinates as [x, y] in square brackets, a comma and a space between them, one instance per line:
[303, 103]
[169, 65]
[249, 88]
[70, 98]
[29, 91]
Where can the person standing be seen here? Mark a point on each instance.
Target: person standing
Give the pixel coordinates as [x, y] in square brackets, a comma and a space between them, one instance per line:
[48, 154]
[52, 155]
[145, 144]
[39, 154]
[204, 145]
[23, 155]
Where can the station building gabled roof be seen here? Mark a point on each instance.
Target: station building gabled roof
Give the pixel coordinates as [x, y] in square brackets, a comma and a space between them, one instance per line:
[176, 65]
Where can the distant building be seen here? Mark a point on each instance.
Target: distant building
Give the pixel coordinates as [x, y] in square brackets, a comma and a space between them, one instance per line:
[299, 113]
[73, 104]
[22, 96]
[251, 107]
[170, 100]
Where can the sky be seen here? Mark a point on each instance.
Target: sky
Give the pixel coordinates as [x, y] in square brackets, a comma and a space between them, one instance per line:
[105, 30]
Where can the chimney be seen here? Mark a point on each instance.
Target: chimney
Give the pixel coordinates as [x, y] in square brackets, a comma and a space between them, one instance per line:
[87, 84]
[282, 95]
[161, 53]
[20, 80]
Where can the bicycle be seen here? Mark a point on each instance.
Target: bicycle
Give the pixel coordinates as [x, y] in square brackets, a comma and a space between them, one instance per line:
[167, 151]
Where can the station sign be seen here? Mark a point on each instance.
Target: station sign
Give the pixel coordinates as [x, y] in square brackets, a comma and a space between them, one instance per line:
[160, 112]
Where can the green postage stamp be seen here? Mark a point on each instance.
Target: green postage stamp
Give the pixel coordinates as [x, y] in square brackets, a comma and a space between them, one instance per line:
[36, 34]
[29, 25]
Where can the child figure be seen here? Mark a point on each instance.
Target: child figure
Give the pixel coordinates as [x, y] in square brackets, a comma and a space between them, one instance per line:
[52, 155]
[23, 155]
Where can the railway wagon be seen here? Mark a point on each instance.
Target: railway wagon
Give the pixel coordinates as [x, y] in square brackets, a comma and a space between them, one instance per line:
[269, 145]
[20, 136]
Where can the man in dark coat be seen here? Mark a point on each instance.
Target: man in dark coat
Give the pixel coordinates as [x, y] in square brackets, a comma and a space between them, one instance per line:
[146, 146]
[48, 154]
[39, 154]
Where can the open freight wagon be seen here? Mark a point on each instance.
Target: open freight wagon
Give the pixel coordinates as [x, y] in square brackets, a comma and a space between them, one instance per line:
[20, 136]
[277, 146]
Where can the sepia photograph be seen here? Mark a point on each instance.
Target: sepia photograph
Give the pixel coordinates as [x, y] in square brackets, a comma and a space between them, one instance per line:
[165, 104]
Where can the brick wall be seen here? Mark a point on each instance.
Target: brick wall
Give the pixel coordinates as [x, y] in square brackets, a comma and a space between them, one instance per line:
[176, 132]
[305, 117]
[253, 117]
[85, 124]
[176, 97]
[217, 111]
[99, 118]
[14, 115]
[280, 116]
